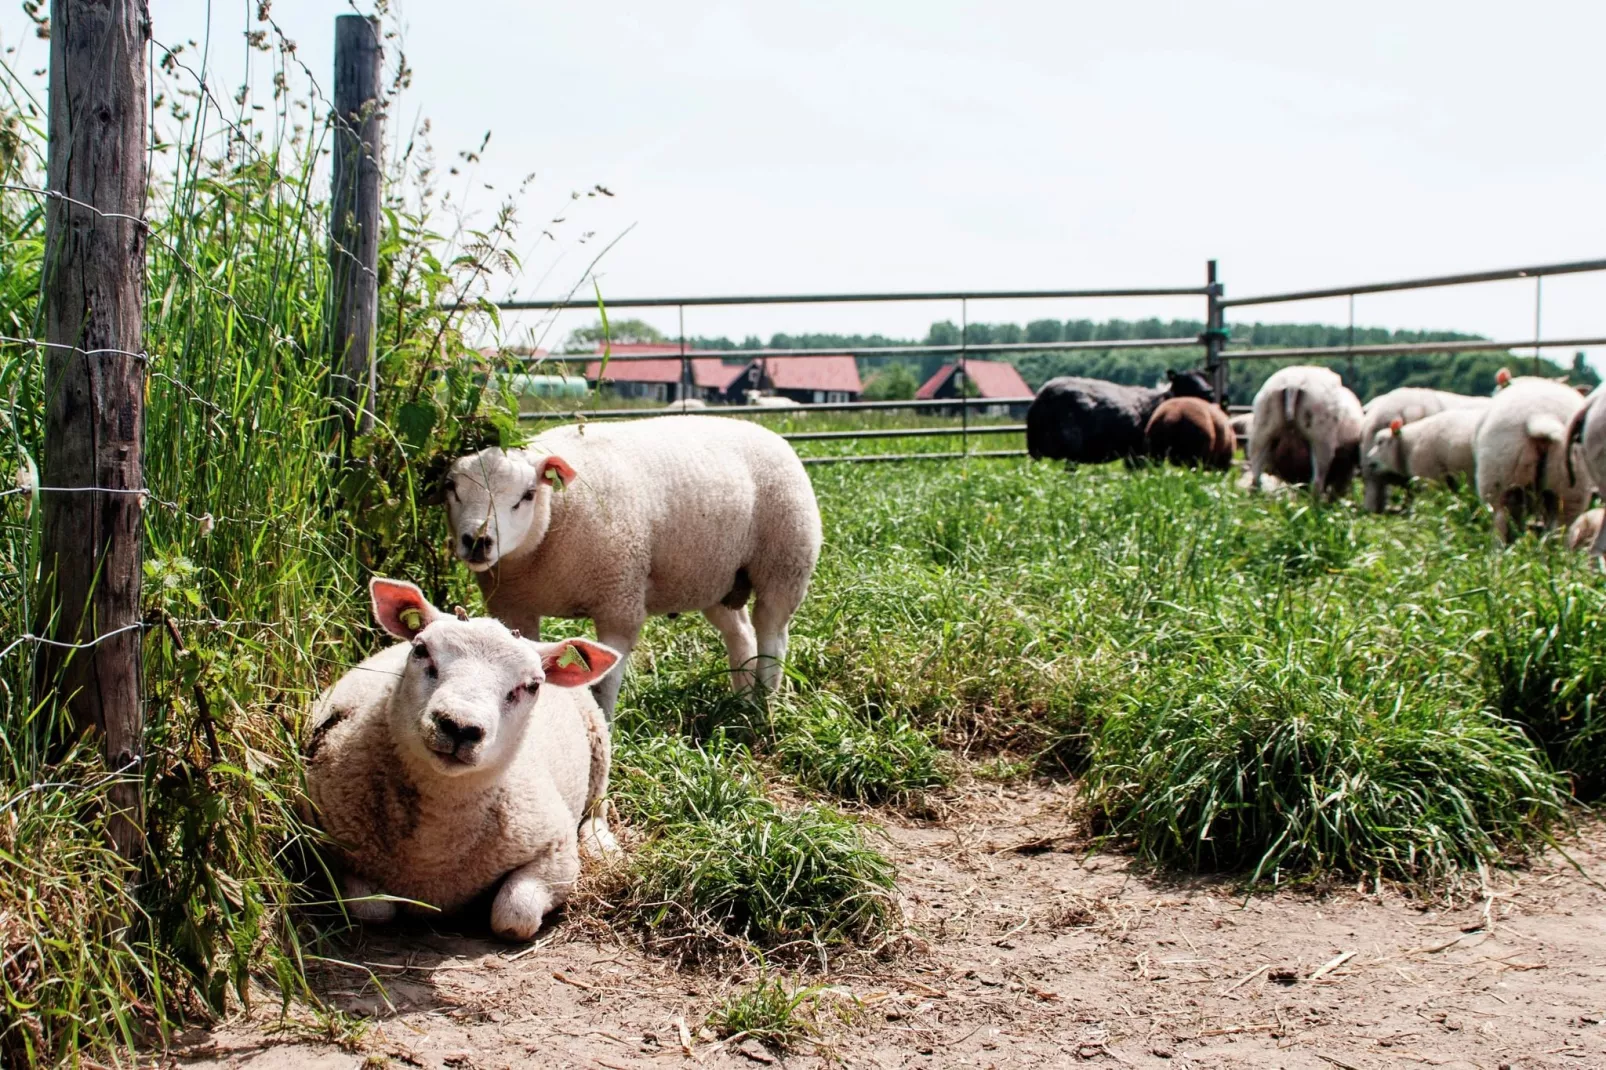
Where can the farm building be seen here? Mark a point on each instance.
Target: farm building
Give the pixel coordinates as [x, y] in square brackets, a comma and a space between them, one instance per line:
[988, 379]
[806, 380]
[661, 380]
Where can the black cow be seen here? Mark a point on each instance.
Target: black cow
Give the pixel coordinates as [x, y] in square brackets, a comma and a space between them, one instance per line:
[1090, 421]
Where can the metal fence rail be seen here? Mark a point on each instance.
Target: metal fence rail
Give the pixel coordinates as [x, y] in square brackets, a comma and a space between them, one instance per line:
[1213, 341]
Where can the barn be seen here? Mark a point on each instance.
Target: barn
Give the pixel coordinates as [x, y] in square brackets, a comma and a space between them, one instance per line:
[661, 380]
[806, 380]
[988, 379]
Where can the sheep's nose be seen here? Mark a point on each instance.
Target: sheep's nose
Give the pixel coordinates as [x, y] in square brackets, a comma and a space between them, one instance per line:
[476, 547]
[459, 734]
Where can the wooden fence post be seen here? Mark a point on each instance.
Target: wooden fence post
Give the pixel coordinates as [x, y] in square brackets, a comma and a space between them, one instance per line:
[354, 210]
[94, 296]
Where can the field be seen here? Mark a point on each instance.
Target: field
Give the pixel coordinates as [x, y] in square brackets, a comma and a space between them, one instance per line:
[1040, 726]
[1133, 729]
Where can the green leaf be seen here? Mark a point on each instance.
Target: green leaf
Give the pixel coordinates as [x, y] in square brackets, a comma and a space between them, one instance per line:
[416, 421]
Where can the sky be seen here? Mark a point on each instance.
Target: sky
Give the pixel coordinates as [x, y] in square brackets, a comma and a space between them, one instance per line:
[877, 145]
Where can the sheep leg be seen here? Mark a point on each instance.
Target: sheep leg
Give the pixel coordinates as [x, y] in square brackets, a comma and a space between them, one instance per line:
[622, 637]
[770, 618]
[1321, 461]
[740, 643]
[357, 892]
[533, 891]
[1257, 462]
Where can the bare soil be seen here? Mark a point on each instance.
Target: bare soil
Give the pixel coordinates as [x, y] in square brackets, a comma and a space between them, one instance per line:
[1025, 950]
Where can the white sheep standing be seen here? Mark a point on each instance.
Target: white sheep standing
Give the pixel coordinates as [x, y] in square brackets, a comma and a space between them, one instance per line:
[665, 515]
[1437, 447]
[1521, 451]
[459, 757]
[1406, 404]
[1314, 404]
[1586, 441]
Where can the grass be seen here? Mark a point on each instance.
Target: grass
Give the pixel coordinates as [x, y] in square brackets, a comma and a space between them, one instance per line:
[769, 1010]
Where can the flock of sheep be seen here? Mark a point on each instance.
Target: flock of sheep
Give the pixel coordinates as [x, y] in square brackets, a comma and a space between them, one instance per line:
[1536, 443]
[471, 755]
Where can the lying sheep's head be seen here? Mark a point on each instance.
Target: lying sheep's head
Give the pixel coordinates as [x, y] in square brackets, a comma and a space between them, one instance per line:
[466, 692]
[498, 499]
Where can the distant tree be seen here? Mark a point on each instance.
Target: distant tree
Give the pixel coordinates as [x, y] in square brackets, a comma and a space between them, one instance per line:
[895, 383]
[1040, 331]
[945, 333]
[585, 339]
[1582, 373]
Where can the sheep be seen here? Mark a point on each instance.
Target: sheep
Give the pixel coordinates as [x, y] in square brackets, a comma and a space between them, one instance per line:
[1311, 404]
[461, 756]
[686, 405]
[1586, 437]
[1521, 452]
[617, 521]
[1090, 421]
[769, 401]
[1406, 404]
[1437, 447]
[1242, 425]
[1585, 532]
[1191, 431]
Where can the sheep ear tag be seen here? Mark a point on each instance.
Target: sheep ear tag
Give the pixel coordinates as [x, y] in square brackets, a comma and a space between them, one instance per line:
[1395, 425]
[558, 472]
[401, 608]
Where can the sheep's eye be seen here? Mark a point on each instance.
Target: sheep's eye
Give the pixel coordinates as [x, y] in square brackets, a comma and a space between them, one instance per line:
[529, 495]
[513, 695]
[420, 651]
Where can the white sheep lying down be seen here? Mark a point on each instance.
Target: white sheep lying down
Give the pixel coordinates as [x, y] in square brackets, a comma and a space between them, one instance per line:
[462, 756]
[1407, 404]
[664, 515]
[1313, 404]
[1588, 432]
[1437, 447]
[1521, 453]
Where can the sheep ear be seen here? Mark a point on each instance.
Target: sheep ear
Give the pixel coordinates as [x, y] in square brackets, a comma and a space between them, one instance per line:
[401, 608]
[576, 662]
[556, 471]
[1395, 425]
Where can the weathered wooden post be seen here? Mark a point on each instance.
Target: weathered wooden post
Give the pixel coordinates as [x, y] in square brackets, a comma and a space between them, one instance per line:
[94, 295]
[354, 211]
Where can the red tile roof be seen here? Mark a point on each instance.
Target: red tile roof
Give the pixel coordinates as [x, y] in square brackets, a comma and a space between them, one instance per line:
[814, 373]
[991, 378]
[708, 372]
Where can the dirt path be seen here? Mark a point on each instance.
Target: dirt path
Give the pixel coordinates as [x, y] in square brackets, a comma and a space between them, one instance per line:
[1031, 953]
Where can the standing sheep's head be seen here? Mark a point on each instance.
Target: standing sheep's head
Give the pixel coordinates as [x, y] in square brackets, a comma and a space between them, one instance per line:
[498, 500]
[1383, 457]
[466, 691]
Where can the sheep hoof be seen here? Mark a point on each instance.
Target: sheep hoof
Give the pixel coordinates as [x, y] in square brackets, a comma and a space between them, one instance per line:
[598, 840]
[520, 907]
[362, 906]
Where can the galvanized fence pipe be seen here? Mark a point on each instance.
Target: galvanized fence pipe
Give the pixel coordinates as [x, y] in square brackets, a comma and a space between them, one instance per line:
[825, 299]
[1423, 283]
[885, 351]
[771, 410]
[1401, 348]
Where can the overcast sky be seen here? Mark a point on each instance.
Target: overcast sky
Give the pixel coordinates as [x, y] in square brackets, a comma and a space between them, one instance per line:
[879, 145]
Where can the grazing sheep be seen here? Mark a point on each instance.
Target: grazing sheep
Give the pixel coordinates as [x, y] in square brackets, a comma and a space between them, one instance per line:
[1090, 421]
[1585, 532]
[1586, 435]
[1521, 453]
[1311, 404]
[1191, 431]
[1407, 405]
[1437, 447]
[686, 405]
[462, 756]
[617, 521]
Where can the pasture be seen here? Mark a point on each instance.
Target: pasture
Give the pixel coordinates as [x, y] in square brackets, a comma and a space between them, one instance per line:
[1049, 731]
